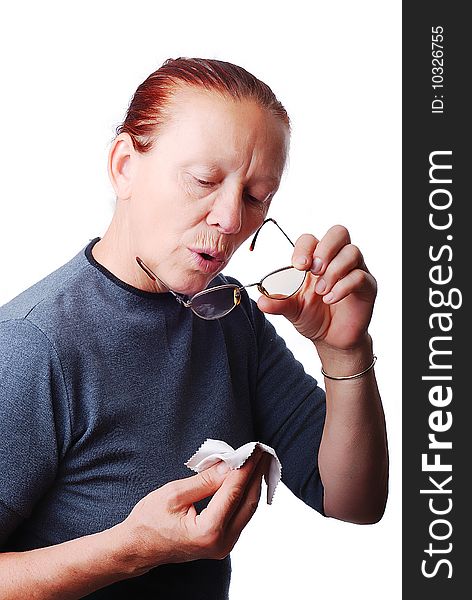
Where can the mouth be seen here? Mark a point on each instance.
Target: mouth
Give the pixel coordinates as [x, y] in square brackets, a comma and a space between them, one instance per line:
[209, 254]
[207, 260]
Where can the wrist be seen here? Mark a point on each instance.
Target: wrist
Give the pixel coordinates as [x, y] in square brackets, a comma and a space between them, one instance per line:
[345, 362]
[127, 552]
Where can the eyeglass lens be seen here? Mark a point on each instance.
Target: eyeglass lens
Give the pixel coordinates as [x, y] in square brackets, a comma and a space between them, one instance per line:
[215, 304]
[283, 283]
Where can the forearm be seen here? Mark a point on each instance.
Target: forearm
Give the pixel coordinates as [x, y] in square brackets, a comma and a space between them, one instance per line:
[353, 456]
[69, 570]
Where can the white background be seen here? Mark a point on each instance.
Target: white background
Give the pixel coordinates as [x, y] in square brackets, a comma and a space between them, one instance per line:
[68, 73]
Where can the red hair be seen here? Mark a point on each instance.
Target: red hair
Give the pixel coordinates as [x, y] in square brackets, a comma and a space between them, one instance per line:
[148, 107]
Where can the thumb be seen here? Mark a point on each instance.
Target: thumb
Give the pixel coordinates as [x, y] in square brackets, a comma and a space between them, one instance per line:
[204, 484]
[288, 307]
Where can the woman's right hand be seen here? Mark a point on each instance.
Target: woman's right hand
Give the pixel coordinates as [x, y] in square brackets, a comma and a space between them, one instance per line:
[164, 526]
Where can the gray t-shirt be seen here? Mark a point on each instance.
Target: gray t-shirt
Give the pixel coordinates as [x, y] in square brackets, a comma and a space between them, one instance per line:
[105, 392]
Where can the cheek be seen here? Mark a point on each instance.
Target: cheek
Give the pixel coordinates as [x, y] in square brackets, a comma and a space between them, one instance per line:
[254, 217]
[251, 223]
[157, 201]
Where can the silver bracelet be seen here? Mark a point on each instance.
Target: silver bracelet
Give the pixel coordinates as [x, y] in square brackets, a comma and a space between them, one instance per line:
[371, 366]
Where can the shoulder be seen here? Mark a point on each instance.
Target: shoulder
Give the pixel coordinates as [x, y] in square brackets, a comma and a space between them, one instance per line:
[28, 359]
[46, 300]
[20, 335]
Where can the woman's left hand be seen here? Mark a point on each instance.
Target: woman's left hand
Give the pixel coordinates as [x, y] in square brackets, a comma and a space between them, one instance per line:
[334, 305]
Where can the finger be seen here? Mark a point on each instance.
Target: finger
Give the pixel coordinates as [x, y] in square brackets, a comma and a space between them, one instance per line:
[303, 252]
[196, 487]
[291, 307]
[357, 281]
[347, 259]
[288, 307]
[249, 503]
[227, 498]
[330, 244]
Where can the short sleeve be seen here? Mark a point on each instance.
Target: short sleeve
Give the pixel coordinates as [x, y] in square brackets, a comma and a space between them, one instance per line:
[289, 413]
[33, 420]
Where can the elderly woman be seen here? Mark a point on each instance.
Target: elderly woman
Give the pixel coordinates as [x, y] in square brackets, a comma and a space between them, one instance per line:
[116, 367]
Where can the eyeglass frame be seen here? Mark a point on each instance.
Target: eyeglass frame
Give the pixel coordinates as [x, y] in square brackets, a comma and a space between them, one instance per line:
[237, 289]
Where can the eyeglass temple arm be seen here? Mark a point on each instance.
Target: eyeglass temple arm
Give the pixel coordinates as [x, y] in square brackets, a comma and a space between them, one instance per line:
[253, 243]
[154, 277]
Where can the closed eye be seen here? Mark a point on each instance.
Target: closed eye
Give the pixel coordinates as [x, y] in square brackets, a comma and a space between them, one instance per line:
[203, 182]
[255, 200]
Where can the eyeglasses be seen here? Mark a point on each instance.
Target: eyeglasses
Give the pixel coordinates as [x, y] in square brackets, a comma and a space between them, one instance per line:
[216, 302]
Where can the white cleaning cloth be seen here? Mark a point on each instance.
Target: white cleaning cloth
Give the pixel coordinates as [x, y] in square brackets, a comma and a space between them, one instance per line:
[212, 451]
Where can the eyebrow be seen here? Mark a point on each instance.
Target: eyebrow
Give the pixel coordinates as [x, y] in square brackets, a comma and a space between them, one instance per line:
[269, 179]
[207, 167]
[212, 168]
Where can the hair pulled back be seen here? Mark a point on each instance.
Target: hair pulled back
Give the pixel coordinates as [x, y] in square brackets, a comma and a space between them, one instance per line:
[149, 107]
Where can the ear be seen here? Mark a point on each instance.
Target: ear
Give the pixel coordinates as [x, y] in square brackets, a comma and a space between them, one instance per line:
[121, 163]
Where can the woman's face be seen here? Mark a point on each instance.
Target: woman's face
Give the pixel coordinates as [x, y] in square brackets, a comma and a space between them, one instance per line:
[205, 187]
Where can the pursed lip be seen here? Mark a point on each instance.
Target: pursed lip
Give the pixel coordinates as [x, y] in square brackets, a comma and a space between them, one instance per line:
[215, 254]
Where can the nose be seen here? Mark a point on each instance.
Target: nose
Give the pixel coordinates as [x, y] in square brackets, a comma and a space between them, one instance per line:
[226, 212]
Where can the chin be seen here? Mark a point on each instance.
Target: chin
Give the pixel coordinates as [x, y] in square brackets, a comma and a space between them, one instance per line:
[192, 285]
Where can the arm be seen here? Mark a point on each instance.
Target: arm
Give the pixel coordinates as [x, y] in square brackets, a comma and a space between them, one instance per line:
[163, 527]
[69, 570]
[333, 309]
[353, 452]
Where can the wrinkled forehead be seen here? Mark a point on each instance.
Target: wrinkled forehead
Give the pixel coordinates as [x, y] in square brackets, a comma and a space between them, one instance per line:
[207, 122]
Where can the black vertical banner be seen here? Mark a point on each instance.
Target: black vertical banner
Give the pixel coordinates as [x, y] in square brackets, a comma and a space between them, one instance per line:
[437, 261]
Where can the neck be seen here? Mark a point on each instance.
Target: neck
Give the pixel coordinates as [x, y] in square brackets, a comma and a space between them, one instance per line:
[117, 253]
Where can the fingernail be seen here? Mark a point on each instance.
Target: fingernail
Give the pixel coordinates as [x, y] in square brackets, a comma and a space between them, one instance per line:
[316, 266]
[329, 297]
[320, 286]
[222, 467]
[301, 260]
